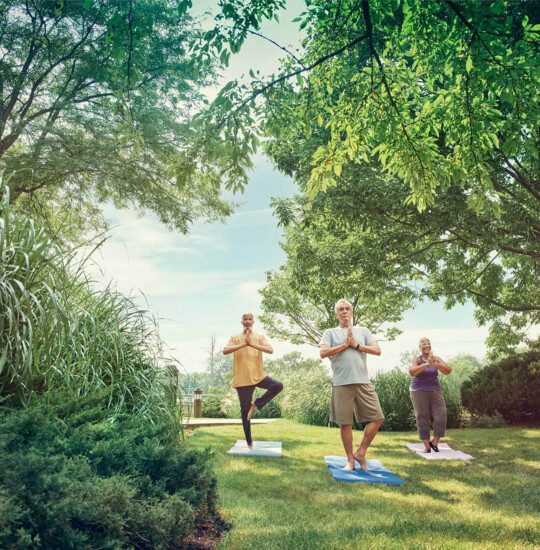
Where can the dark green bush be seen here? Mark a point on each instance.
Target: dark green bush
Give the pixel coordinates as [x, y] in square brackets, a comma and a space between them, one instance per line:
[211, 407]
[510, 387]
[72, 478]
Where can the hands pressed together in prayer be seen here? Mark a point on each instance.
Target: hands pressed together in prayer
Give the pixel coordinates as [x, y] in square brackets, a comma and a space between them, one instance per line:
[434, 361]
[238, 343]
[350, 338]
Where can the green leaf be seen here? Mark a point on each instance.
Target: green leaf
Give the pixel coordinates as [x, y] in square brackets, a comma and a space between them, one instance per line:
[469, 64]
[224, 57]
[496, 209]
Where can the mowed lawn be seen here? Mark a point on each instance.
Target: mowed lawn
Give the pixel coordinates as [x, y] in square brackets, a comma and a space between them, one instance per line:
[293, 502]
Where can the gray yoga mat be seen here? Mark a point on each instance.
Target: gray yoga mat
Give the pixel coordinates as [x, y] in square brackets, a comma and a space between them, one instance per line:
[445, 452]
[271, 449]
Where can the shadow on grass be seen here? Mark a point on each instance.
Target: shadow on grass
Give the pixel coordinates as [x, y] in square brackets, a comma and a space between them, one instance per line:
[467, 502]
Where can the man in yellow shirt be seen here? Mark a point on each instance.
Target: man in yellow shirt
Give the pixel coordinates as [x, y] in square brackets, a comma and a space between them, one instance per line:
[248, 372]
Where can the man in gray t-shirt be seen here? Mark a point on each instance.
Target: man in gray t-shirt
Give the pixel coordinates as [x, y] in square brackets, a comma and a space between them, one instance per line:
[347, 346]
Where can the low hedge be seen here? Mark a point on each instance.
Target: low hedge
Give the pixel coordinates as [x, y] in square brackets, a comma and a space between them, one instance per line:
[71, 478]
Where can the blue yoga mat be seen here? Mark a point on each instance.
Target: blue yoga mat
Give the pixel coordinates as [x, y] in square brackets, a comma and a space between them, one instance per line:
[378, 473]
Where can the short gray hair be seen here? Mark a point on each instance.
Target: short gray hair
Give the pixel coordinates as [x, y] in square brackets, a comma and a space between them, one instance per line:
[341, 301]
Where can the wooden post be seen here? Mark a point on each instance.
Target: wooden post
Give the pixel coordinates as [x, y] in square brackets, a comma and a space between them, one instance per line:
[197, 403]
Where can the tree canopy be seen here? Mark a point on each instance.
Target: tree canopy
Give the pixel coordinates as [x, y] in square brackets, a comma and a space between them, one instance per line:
[440, 94]
[412, 130]
[329, 259]
[95, 98]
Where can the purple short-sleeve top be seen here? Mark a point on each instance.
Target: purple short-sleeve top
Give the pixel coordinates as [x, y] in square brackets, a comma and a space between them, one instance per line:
[427, 380]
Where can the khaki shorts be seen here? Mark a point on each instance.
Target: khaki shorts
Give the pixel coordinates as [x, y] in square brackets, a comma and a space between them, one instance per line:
[360, 398]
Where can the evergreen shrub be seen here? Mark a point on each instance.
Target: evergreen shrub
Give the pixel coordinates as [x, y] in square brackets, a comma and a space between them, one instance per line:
[211, 407]
[484, 421]
[510, 387]
[72, 477]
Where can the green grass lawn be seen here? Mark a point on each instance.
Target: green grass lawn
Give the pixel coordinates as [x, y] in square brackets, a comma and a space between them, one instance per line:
[293, 503]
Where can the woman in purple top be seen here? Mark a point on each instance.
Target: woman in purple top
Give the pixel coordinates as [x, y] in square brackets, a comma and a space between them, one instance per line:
[426, 395]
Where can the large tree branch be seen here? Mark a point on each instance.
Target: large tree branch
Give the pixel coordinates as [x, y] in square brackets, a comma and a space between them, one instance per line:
[471, 135]
[517, 176]
[6, 111]
[465, 287]
[28, 190]
[476, 33]
[54, 114]
[303, 69]
[28, 103]
[282, 48]
[502, 246]
[506, 307]
[520, 251]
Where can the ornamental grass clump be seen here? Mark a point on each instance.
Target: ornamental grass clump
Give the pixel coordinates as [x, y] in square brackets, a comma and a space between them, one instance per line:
[59, 331]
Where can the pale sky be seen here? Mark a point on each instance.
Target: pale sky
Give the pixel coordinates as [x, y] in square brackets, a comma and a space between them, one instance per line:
[199, 284]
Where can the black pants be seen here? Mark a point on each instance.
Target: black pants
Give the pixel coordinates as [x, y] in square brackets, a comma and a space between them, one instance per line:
[245, 394]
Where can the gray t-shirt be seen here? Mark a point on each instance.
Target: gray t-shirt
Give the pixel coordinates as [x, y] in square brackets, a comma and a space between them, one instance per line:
[349, 366]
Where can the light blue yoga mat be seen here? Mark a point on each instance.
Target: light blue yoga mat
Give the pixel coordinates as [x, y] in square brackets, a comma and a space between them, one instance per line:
[378, 473]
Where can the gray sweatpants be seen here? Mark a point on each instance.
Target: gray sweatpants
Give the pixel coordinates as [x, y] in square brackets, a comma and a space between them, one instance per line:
[429, 404]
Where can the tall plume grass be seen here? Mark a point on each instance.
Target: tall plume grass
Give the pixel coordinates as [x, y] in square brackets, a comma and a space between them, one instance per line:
[60, 333]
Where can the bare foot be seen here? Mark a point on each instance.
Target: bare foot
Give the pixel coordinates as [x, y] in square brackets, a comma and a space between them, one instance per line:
[348, 468]
[250, 412]
[250, 446]
[362, 461]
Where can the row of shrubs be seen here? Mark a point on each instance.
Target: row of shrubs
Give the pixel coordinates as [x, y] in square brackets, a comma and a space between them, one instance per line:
[475, 396]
